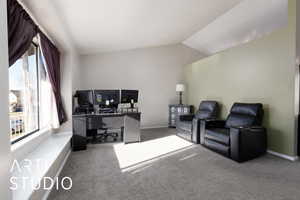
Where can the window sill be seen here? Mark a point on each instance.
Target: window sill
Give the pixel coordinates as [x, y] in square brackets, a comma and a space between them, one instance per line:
[23, 147]
[52, 154]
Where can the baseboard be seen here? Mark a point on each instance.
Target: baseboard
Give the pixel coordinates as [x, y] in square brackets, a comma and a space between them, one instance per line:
[57, 174]
[153, 127]
[284, 156]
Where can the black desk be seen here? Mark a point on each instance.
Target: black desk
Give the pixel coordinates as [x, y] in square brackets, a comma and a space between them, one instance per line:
[129, 123]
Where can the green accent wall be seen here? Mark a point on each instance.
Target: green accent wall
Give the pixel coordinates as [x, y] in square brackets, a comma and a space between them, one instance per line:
[263, 71]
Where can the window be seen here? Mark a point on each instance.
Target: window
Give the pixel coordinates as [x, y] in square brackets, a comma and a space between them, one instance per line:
[25, 77]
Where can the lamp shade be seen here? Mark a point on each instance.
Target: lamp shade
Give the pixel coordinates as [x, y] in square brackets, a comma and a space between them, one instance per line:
[180, 87]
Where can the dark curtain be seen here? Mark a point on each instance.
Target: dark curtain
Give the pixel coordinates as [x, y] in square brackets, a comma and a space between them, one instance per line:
[52, 59]
[21, 30]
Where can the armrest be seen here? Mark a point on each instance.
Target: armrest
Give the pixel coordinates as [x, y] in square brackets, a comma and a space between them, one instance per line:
[186, 117]
[196, 130]
[247, 142]
[214, 123]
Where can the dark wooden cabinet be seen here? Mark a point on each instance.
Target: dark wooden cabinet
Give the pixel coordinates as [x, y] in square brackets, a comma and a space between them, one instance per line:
[175, 110]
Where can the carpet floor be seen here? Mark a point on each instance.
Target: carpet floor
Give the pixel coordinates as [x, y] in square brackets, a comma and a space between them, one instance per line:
[114, 171]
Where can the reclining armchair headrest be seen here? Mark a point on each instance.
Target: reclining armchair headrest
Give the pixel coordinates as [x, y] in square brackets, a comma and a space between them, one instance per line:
[207, 110]
[208, 105]
[253, 109]
[245, 114]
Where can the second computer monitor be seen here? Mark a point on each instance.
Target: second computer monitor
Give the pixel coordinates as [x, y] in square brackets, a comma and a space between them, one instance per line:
[85, 97]
[106, 97]
[129, 96]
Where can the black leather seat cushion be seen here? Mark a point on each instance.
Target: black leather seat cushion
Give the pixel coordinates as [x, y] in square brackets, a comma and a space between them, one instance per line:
[218, 147]
[185, 125]
[221, 135]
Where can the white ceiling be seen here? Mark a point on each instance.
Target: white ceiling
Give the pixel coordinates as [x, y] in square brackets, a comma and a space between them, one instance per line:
[96, 26]
[44, 13]
[113, 25]
[247, 21]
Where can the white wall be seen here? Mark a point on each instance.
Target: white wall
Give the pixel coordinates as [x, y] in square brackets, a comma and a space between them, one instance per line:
[5, 154]
[153, 71]
[76, 80]
[69, 72]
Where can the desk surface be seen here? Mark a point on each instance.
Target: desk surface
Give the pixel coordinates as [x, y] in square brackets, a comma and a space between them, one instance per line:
[118, 114]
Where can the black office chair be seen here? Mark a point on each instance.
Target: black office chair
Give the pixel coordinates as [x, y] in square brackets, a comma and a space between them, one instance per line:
[87, 108]
[105, 133]
[102, 134]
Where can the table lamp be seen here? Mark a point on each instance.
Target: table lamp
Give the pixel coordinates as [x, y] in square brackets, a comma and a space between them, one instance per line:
[180, 88]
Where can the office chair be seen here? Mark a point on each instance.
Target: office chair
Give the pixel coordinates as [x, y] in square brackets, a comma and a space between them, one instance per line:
[84, 109]
[102, 134]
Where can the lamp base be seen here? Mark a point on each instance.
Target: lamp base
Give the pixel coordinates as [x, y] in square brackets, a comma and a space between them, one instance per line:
[180, 98]
[131, 105]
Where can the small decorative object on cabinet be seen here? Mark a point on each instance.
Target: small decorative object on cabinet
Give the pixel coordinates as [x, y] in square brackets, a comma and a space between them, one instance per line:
[175, 110]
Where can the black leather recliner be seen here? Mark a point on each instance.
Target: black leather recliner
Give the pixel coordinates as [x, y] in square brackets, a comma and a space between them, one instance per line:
[188, 126]
[241, 137]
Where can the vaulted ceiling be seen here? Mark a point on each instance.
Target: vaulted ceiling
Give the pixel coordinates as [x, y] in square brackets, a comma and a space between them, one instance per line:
[96, 26]
[249, 20]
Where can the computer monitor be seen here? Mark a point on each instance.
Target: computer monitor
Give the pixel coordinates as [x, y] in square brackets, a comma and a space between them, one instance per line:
[107, 98]
[129, 96]
[84, 97]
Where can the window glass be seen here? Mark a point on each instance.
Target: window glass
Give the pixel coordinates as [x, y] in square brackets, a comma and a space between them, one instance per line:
[24, 95]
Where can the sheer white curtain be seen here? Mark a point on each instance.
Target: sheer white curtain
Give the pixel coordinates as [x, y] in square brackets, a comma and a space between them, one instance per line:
[27, 96]
[48, 110]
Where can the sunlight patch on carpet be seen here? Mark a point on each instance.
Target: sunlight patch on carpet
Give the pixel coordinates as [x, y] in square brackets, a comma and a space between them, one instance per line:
[139, 154]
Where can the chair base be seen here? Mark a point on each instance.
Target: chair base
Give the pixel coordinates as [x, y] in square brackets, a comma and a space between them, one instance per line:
[103, 136]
